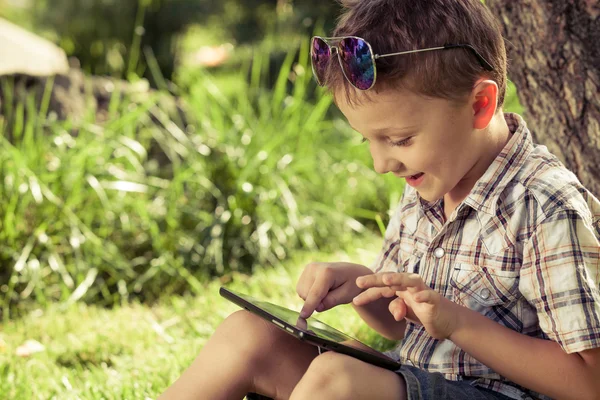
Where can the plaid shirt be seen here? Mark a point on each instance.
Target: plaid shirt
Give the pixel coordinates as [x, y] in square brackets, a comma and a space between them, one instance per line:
[523, 249]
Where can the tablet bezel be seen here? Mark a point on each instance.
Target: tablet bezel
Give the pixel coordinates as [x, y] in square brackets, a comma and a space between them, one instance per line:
[309, 337]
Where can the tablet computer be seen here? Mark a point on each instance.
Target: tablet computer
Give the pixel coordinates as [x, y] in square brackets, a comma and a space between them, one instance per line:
[310, 330]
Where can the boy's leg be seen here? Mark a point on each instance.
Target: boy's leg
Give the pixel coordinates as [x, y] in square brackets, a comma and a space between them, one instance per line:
[245, 354]
[338, 376]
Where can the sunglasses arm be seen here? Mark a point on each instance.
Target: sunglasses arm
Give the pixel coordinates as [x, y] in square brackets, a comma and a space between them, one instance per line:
[486, 65]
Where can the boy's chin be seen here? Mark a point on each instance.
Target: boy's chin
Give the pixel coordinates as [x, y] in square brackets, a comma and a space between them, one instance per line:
[428, 196]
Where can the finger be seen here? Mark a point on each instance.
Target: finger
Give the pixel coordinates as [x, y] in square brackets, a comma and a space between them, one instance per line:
[401, 280]
[398, 308]
[317, 292]
[407, 298]
[306, 280]
[384, 279]
[332, 299]
[427, 296]
[302, 291]
[371, 295]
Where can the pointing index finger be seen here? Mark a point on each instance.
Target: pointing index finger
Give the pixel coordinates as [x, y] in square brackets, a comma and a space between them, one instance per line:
[316, 293]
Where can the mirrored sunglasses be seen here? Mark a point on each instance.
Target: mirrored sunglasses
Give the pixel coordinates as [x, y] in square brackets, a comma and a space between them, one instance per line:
[357, 59]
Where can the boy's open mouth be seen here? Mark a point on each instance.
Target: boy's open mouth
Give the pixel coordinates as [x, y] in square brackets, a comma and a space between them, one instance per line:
[415, 180]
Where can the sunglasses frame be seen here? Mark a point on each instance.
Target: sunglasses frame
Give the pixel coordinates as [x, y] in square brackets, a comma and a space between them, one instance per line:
[486, 65]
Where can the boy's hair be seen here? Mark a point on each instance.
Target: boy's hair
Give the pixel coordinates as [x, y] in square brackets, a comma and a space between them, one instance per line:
[397, 25]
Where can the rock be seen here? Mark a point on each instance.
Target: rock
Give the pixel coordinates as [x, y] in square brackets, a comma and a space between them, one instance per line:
[28, 63]
[30, 347]
[22, 52]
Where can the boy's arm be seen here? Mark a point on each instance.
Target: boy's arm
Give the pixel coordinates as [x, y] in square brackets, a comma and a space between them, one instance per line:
[378, 317]
[537, 364]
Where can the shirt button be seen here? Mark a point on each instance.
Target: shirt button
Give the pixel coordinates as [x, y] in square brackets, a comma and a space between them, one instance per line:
[485, 294]
[439, 252]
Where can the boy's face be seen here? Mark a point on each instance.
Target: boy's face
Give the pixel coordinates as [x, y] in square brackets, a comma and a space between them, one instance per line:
[409, 135]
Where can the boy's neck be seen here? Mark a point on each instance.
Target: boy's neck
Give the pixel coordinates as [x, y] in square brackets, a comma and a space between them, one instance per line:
[495, 137]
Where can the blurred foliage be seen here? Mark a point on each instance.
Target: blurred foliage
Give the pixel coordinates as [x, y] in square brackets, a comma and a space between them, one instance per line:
[106, 35]
[142, 202]
[145, 205]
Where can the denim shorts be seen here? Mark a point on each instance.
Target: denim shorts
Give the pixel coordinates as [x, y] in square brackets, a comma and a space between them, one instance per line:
[423, 385]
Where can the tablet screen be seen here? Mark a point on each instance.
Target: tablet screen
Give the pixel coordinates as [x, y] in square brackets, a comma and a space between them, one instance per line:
[310, 325]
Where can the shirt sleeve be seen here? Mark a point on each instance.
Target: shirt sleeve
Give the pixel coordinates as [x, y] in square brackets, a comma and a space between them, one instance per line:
[560, 277]
[387, 259]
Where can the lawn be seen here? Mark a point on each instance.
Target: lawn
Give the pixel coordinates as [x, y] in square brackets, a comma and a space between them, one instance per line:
[132, 204]
[135, 351]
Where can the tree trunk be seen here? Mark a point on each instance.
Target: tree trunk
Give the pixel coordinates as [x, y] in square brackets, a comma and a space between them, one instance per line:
[554, 60]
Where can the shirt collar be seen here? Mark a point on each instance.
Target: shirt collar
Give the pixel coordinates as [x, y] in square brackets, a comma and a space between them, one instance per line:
[484, 195]
[412, 209]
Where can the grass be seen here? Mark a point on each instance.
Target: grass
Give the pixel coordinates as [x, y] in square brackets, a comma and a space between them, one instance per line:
[147, 205]
[135, 351]
[73, 232]
[150, 201]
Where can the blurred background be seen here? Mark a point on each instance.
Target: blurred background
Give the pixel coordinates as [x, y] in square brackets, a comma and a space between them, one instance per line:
[194, 142]
[172, 146]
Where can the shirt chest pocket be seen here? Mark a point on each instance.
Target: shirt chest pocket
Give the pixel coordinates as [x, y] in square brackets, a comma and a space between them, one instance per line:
[480, 288]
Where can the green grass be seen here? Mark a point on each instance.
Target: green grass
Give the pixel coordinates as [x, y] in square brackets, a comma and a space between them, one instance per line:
[136, 351]
[153, 201]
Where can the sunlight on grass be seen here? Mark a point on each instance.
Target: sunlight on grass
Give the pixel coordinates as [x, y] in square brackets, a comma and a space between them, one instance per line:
[135, 351]
[166, 192]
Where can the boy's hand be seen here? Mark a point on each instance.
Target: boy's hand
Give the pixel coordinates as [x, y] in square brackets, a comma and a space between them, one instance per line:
[416, 301]
[326, 285]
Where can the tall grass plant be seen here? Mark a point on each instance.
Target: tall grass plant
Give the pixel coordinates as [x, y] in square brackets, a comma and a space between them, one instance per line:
[150, 203]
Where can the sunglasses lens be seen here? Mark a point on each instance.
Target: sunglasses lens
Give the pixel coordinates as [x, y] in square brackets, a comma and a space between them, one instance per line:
[357, 62]
[320, 53]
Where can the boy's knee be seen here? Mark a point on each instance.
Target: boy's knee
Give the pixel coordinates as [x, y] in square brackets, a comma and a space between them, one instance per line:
[329, 361]
[243, 319]
[327, 372]
[247, 325]
[248, 331]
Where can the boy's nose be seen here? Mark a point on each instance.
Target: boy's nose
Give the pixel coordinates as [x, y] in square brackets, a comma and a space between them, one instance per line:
[382, 161]
[383, 165]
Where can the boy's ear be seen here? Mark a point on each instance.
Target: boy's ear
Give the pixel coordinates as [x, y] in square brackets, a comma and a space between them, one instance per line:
[485, 100]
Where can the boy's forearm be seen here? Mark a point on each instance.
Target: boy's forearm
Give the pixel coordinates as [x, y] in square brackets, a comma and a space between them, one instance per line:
[379, 318]
[536, 364]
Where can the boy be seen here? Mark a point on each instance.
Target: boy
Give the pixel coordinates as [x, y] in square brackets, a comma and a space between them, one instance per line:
[489, 274]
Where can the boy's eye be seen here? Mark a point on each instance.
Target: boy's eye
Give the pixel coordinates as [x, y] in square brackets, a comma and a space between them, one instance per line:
[403, 142]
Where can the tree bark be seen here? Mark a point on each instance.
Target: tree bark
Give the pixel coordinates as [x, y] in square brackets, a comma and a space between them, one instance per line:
[553, 49]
